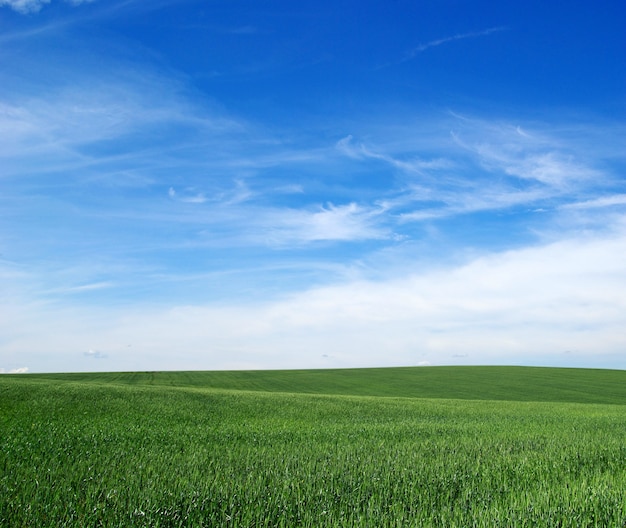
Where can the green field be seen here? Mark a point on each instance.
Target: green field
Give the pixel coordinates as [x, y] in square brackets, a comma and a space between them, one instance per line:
[437, 446]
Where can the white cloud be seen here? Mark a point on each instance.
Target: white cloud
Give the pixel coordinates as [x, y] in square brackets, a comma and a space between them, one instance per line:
[550, 168]
[21, 370]
[527, 306]
[96, 354]
[348, 222]
[25, 6]
[34, 6]
[532, 156]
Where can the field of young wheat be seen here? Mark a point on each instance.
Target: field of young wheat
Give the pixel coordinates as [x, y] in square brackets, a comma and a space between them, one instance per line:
[102, 451]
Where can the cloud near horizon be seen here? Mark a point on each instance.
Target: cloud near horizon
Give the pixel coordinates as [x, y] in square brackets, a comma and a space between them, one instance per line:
[95, 354]
[20, 370]
[496, 308]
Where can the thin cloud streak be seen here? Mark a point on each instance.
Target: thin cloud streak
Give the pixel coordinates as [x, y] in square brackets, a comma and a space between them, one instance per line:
[461, 36]
[598, 203]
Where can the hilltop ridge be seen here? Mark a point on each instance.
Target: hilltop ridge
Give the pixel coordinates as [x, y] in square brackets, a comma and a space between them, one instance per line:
[507, 383]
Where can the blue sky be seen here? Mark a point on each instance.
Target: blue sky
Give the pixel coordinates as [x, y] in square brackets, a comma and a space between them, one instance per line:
[238, 184]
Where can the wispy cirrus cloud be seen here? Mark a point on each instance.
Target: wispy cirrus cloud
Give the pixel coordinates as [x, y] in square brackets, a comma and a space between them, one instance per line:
[348, 222]
[33, 6]
[82, 288]
[478, 167]
[490, 166]
[83, 130]
[615, 200]
[552, 159]
[445, 40]
[413, 164]
[25, 6]
[543, 164]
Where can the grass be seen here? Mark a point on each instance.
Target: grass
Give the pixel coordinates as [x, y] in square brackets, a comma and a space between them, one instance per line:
[175, 449]
[473, 383]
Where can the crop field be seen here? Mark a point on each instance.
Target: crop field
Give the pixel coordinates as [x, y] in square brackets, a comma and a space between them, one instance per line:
[371, 447]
